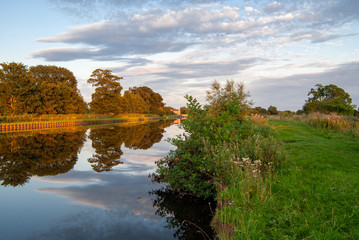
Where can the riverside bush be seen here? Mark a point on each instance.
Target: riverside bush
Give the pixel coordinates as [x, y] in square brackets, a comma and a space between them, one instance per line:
[210, 145]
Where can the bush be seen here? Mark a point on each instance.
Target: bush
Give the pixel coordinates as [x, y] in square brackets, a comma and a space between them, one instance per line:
[211, 144]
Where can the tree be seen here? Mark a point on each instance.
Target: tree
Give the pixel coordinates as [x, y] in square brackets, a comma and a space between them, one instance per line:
[272, 110]
[184, 110]
[153, 100]
[133, 103]
[261, 110]
[15, 88]
[327, 99]
[107, 95]
[56, 91]
[168, 110]
[218, 97]
[41, 90]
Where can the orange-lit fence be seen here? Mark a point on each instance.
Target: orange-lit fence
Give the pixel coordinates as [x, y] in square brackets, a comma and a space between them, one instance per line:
[48, 125]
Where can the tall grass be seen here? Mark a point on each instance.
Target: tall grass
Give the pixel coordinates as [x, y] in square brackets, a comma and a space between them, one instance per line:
[244, 185]
[334, 122]
[314, 195]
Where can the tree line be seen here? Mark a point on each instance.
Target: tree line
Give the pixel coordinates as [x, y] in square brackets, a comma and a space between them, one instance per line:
[323, 99]
[53, 90]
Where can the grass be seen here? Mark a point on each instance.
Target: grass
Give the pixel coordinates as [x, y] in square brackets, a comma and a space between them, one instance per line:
[338, 123]
[315, 195]
[69, 118]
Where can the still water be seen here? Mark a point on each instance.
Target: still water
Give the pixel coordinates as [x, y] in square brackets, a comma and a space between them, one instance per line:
[92, 183]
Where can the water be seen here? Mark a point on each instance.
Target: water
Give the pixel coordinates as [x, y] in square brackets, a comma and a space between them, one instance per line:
[81, 183]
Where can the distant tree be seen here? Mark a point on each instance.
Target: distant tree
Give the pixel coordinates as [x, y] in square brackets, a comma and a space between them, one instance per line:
[299, 112]
[153, 100]
[184, 110]
[133, 103]
[107, 95]
[168, 110]
[272, 110]
[327, 99]
[219, 96]
[261, 110]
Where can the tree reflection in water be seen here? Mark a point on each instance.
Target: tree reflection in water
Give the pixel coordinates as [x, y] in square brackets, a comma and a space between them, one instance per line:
[38, 154]
[53, 152]
[189, 216]
[107, 142]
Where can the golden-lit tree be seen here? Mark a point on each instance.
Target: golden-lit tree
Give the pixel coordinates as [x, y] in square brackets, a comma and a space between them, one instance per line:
[107, 96]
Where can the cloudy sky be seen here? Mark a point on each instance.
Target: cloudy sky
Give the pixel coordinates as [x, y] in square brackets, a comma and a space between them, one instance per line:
[279, 49]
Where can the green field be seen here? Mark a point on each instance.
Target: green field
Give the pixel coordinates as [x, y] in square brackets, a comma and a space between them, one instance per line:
[315, 195]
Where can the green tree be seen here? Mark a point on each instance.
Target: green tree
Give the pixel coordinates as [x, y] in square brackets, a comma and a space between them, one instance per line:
[42, 90]
[133, 103]
[107, 95]
[327, 99]
[220, 98]
[16, 89]
[56, 91]
[272, 110]
[168, 110]
[261, 110]
[153, 100]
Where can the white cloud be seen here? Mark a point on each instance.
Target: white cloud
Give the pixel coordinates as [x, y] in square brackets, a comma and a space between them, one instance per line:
[182, 49]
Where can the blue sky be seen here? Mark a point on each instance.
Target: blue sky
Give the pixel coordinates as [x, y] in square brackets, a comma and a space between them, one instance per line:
[279, 49]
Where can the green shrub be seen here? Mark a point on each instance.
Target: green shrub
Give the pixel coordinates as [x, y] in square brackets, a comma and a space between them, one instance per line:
[210, 144]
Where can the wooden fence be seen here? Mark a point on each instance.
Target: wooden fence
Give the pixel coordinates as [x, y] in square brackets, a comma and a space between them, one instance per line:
[13, 127]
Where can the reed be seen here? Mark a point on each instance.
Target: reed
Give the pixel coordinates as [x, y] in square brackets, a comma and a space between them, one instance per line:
[334, 122]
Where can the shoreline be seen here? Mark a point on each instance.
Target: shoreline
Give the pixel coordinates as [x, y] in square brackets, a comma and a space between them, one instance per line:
[41, 125]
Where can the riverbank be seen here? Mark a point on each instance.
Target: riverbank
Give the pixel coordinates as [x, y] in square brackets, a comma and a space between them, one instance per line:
[60, 121]
[313, 195]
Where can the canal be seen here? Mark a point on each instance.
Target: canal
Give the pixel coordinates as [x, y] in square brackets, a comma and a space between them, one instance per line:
[93, 183]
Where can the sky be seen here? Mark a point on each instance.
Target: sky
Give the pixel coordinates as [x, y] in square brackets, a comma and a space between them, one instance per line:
[278, 49]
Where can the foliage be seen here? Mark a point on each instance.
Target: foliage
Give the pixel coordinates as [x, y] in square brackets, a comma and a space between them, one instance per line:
[334, 122]
[57, 91]
[15, 88]
[184, 110]
[261, 110]
[168, 110]
[272, 110]
[39, 90]
[331, 122]
[133, 103]
[107, 95]
[218, 97]
[153, 100]
[327, 99]
[213, 140]
[258, 119]
[314, 195]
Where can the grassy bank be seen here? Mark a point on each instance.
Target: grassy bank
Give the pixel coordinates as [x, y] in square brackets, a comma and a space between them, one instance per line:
[72, 117]
[330, 122]
[315, 195]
